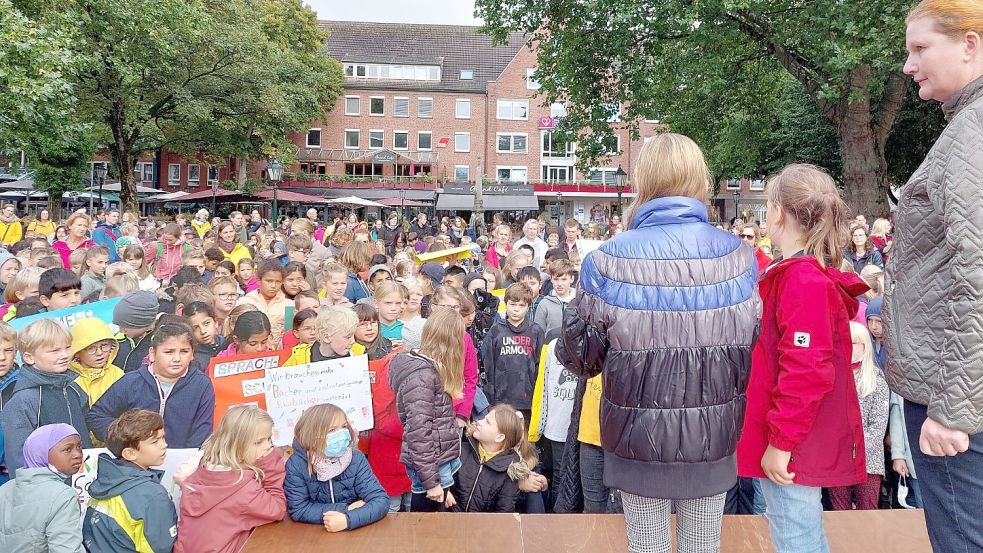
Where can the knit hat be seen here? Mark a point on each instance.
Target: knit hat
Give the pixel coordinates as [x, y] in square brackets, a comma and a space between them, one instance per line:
[136, 310]
[874, 307]
[471, 277]
[40, 442]
[376, 268]
[413, 334]
[435, 271]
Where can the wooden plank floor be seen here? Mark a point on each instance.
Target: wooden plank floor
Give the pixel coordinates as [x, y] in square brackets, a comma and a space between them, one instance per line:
[895, 531]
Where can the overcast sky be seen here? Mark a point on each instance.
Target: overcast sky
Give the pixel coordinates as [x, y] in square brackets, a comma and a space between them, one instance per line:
[448, 12]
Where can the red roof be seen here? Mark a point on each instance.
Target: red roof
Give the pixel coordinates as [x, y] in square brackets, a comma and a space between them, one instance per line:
[207, 195]
[291, 196]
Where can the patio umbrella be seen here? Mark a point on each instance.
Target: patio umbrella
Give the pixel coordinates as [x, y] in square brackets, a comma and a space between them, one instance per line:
[353, 201]
[396, 202]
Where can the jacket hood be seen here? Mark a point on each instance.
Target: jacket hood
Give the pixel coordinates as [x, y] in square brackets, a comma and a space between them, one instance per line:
[10, 378]
[668, 210]
[405, 364]
[521, 328]
[89, 331]
[850, 284]
[116, 476]
[213, 488]
[33, 378]
[30, 478]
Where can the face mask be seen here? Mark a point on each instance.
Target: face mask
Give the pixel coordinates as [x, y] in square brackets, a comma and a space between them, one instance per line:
[337, 443]
[903, 493]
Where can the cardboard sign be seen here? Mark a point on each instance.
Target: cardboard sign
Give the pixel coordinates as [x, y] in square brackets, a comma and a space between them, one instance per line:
[241, 379]
[90, 465]
[343, 382]
[71, 315]
[584, 247]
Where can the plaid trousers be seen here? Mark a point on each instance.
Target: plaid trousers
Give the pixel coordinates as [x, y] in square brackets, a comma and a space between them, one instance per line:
[697, 523]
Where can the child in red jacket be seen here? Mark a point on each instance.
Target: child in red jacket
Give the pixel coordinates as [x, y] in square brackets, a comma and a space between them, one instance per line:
[237, 487]
[803, 430]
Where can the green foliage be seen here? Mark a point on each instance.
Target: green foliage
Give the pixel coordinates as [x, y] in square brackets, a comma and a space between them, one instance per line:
[251, 186]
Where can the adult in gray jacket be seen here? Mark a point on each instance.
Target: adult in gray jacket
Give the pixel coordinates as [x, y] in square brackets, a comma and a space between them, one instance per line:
[934, 304]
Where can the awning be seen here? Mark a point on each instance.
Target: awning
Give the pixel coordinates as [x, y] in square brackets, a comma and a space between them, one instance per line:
[367, 193]
[504, 202]
[290, 196]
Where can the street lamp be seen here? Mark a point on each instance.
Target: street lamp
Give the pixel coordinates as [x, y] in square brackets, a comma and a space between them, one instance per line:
[737, 202]
[275, 171]
[559, 208]
[620, 178]
[101, 175]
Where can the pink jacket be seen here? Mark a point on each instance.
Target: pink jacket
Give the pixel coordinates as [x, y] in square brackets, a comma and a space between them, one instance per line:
[462, 407]
[66, 251]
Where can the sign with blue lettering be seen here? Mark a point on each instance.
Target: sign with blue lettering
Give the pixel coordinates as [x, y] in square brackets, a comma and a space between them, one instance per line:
[71, 315]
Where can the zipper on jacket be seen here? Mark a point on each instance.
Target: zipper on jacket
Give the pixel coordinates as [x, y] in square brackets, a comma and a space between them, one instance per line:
[64, 393]
[331, 487]
[467, 506]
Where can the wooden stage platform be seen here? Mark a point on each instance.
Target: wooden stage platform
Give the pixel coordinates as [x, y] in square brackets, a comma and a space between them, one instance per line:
[895, 531]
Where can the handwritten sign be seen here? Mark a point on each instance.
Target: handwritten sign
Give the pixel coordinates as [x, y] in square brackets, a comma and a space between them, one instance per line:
[240, 379]
[70, 315]
[342, 382]
[90, 467]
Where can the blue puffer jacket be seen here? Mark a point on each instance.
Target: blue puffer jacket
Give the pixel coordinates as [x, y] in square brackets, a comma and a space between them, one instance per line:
[308, 499]
[668, 312]
[356, 289]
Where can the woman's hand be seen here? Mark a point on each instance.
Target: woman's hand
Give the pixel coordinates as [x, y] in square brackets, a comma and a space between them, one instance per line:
[900, 466]
[938, 440]
[775, 464]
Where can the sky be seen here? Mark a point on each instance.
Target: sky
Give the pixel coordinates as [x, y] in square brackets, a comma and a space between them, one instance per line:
[447, 12]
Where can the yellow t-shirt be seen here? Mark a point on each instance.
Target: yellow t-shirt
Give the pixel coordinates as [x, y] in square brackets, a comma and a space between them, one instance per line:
[486, 456]
[590, 413]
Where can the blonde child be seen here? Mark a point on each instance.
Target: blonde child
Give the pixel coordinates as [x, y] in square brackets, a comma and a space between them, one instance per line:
[245, 273]
[76, 261]
[9, 371]
[9, 266]
[426, 382]
[329, 482]
[390, 297]
[237, 487]
[93, 348]
[134, 256]
[335, 328]
[335, 277]
[803, 431]
[498, 457]
[94, 279]
[24, 285]
[875, 408]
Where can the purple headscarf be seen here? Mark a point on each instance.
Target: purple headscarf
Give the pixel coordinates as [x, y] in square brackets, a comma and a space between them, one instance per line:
[40, 442]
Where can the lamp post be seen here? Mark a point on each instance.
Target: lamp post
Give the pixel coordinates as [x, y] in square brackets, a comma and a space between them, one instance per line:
[214, 191]
[621, 178]
[274, 171]
[737, 202]
[559, 208]
[101, 175]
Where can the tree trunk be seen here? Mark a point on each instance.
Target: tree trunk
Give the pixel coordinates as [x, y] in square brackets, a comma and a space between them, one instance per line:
[125, 160]
[865, 182]
[241, 171]
[54, 205]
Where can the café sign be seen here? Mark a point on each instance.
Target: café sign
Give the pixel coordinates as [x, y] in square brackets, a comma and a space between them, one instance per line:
[385, 157]
[490, 189]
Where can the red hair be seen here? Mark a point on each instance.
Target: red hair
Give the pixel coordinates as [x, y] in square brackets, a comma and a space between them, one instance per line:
[953, 18]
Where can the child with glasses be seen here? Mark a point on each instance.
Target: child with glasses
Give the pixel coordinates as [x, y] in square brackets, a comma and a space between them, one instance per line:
[93, 348]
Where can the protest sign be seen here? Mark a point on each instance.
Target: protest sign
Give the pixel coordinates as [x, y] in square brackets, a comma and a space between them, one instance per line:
[584, 246]
[450, 254]
[343, 382]
[239, 379]
[70, 315]
[90, 465]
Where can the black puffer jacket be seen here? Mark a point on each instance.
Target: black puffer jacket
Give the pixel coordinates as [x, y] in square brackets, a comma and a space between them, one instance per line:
[668, 310]
[430, 436]
[488, 487]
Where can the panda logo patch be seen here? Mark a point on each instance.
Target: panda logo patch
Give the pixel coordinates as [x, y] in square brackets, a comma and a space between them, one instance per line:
[801, 339]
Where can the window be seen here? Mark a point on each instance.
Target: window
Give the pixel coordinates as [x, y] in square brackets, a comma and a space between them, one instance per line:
[462, 109]
[401, 107]
[312, 168]
[512, 143]
[467, 74]
[401, 140]
[424, 140]
[313, 138]
[557, 109]
[531, 82]
[194, 174]
[352, 137]
[353, 105]
[462, 173]
[174, 174]
[212, 174]
[757, 185]
[511, 174]
[144, 172]
[513, 110]
[733, 184]
[557, 173]
[462, 142]
[603, 176]
[376, 138]
[612, 145]
[395, 72]
[424, 107]
[554, 148]
[377, 105]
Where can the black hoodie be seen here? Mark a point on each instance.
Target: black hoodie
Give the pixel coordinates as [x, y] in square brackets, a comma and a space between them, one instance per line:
[511, 360]
[488, 487]
[204, 353]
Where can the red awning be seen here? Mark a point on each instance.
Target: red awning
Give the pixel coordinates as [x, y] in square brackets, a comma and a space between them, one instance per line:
[289, 196]
[396, 202]
[207, 195]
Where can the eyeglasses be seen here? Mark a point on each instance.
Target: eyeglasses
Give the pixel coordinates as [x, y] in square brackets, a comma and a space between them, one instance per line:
[102, 347]
[747, 237]
[227, 296]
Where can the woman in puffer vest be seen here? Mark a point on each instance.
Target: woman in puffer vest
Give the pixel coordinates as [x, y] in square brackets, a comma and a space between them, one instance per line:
[667, 312]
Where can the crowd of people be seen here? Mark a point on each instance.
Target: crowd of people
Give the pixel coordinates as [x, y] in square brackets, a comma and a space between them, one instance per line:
[678, 366]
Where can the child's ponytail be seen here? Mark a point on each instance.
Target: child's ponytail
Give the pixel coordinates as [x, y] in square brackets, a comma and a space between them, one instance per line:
[808, 195]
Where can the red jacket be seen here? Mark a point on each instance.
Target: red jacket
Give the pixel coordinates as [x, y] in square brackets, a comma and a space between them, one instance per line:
[801, 394]
[763, 261]
[220, 509]
[383, 443]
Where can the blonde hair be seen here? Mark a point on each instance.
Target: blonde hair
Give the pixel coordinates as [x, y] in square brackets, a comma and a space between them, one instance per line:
[120, 268]
[336, 319]
[874, 277]
[511, 424]
[880, 228]
[228, 445]
[75, 216]
[953, 18]
[669, 165]
[388, 288]
[7, 333]
[43, 333]
[78, 258]
[356, 256]
[866, 376]
[28, 277]
[508, 266]
[441, 342]
[808, 195]
[313, 426]
[230, 321]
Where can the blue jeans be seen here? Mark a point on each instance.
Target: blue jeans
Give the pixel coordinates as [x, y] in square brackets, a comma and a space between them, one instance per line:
[446, 472]
[592, 479]
[759, 507]
[951, 488]
[795, 517]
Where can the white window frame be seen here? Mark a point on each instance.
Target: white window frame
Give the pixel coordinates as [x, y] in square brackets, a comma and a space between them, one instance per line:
[544, 173]
[531, 83]
[617, 147]
[733, 184]
[382, 134]
[396, 100]
[546, 153]
[458, 135]
[652, 121]
[421, 148]
[457, 108]
[141, 170]
[419, 103]
[197, 180]
[209, 177]
[467, 75]
[383, 98]
[757, 185]
[511, 168]
[405, 148]
[358, 136]
[512, 149]
[307, 140]
[512, 109]
[603, 170]
[467, 173]
[171, 181]
[558, 109]
[357, 111]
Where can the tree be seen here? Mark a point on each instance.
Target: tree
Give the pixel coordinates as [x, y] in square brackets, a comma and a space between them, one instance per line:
[844, 54]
